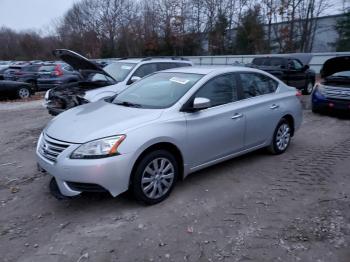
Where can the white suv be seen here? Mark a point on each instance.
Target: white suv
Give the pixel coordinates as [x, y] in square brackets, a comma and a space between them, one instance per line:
[127, 71]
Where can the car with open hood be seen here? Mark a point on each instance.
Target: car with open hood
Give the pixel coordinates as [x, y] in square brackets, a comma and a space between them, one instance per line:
[332, 93]
[166, 126]
[99, 83]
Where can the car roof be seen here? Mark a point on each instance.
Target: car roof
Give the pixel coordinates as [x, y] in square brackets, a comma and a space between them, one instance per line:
[205, 70]
[153, 60]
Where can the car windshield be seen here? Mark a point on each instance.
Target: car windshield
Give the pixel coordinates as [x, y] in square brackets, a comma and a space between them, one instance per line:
[160, 90]
[119, 70]
[344, 74]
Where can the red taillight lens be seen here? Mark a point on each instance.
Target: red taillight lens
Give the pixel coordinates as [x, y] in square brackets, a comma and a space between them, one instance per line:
[298, 93]
[58, 71]
[18, 73]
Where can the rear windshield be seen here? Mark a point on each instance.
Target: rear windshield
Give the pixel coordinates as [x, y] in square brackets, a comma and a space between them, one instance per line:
[268, 61]
[48, 68]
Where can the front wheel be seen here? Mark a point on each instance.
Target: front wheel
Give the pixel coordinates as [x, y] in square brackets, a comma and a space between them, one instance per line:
[154, 177]
[23, 92]
[281, 138]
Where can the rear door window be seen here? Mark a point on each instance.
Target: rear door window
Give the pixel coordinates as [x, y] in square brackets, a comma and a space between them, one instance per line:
[255, 84]
[146, 69]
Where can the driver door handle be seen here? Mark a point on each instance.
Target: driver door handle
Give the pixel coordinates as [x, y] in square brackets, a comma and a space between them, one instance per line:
[236, 116]
[274, 106]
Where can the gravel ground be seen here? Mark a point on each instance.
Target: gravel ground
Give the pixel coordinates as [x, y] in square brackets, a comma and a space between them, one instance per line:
[291, 207]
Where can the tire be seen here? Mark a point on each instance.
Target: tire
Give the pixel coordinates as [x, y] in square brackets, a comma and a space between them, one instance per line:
[315, 110]
[281, 137]
[23, 92]
[149, 186]
[308, 88]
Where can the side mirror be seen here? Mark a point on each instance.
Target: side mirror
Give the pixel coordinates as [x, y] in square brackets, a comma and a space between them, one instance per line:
[201, 103]
[134, 79]
[306, 67]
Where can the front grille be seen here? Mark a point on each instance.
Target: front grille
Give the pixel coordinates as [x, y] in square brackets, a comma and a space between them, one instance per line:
[51, 148]
[337, 93]
[85, 187]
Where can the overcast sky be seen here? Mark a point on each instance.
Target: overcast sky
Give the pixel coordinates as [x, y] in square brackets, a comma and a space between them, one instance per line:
[32, 14]
[39, 14]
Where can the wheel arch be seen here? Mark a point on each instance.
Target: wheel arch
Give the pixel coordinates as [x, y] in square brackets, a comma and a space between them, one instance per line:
[168, 146]
[291, 122]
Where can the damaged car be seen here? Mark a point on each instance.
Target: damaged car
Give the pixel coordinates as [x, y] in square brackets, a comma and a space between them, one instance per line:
[100, 83]
[68, 95]
[332, 94]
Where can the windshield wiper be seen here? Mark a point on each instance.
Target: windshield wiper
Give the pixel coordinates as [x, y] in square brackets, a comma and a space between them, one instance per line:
[128, 104]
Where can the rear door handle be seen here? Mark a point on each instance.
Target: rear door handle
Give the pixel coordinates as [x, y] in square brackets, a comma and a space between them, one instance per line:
[236, 116]
[274, 106]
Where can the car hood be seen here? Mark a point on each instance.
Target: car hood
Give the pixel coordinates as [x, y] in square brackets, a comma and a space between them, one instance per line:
[97, 120]
[334, 65]
[103, 92]
[79, 62]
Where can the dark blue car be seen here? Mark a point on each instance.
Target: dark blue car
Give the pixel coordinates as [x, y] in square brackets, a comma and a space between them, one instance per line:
[332, 94]
[53, 75]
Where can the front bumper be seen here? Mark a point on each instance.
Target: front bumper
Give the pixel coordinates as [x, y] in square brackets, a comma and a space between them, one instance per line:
[111, 173]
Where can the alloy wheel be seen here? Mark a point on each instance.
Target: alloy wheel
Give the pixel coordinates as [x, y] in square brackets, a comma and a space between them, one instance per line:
[157, 178]
[309, 88]
[283, 137]
[23, 93]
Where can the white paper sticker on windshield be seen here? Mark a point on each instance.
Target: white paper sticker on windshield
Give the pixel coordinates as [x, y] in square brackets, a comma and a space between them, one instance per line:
[125, 67]
[179, 80]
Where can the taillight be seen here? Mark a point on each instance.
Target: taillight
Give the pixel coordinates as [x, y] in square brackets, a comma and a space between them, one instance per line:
[18, 73]
[298, 93]
[58, 71]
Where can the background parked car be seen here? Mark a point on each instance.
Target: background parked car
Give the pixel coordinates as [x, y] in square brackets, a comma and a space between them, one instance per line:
[290, 69]
[15, 89]
[2, 71]
[56, 74]
[27, 73]
[332, 94]
[100, 83]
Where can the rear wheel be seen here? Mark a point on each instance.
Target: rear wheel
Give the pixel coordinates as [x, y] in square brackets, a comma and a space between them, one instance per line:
[154, 177]
[23, 92]
[281, 137]
[308, 88]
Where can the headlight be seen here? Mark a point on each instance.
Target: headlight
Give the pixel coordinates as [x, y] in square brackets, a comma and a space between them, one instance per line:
[47, 95]
[100, 148]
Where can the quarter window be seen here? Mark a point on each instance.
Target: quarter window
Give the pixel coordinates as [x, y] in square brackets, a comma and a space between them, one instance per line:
[254, 84]
[220, 90]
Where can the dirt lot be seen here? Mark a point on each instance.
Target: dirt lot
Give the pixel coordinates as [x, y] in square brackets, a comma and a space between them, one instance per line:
[292, 207]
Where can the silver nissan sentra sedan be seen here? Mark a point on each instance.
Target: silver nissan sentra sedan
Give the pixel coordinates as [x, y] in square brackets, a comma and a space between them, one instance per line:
[166, 126]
